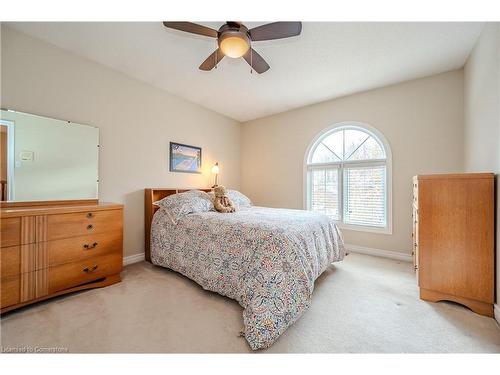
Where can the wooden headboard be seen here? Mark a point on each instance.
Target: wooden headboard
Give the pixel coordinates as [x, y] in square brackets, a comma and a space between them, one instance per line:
[152, 195]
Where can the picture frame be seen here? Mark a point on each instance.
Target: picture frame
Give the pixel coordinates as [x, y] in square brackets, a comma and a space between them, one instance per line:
[185, 158]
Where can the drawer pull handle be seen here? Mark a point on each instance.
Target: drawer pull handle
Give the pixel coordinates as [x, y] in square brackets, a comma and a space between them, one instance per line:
[90, 215]
[90, 270]
[88, 247]
[90, 226]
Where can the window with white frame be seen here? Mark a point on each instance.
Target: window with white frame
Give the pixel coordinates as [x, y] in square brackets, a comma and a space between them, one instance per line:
[348, 169]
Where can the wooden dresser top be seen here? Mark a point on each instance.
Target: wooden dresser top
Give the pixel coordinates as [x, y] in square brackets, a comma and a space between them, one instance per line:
[455, 176]
[56, 208]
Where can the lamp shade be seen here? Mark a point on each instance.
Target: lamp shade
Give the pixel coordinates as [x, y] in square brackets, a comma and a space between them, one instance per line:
[215, 168]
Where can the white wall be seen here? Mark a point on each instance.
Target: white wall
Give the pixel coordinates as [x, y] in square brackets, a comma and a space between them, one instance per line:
[482, 115]
[481, 98]
[136, 122]
[421, 119]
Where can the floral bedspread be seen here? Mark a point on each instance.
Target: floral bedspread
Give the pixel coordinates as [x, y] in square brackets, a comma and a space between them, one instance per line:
[265, 258]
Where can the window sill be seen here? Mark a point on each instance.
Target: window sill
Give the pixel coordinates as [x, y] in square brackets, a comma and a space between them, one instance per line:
[361, 228]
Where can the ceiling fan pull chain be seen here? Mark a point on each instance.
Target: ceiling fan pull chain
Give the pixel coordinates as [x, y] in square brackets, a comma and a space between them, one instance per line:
[251, 60]
[216, 52]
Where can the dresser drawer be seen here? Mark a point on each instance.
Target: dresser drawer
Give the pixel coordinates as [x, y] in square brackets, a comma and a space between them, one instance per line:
[10, 289]
[73, 274]
[84, 247]
[11, 261]
[83, 223]
[10, 231]
[415, 191]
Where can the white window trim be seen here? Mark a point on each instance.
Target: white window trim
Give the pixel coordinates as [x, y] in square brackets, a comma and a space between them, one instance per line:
[387, 162]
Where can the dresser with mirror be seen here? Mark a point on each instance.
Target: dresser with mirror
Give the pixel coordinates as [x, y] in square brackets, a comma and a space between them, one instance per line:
[56, 236]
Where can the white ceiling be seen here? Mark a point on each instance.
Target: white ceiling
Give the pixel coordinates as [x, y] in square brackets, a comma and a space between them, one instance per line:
[327, 60]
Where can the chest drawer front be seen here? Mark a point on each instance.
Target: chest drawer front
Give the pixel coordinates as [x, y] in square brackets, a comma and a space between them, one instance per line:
[11, 261]
[77, 273]
[10, 289]
[84, 247]
[415, 192]
[10, 231]
[17, 260]
[83, 223]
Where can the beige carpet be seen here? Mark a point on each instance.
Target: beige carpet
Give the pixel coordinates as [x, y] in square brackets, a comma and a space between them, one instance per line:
[364, 304]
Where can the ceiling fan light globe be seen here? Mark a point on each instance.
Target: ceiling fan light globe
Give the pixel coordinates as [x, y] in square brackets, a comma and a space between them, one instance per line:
[234, 46]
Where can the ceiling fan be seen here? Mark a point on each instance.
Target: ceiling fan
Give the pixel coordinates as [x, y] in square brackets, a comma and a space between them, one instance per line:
[235, 40]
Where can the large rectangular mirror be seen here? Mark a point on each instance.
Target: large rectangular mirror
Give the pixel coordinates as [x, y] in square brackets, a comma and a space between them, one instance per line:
[46, 159]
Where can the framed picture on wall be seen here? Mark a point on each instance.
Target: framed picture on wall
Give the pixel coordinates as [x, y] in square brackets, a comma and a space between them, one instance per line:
[185, 158]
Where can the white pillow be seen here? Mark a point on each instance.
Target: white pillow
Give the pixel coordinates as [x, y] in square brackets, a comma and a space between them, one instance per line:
[239, 199]
[182, 204]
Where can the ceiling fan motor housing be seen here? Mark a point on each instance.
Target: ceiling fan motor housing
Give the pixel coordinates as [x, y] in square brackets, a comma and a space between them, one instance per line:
[233, 39]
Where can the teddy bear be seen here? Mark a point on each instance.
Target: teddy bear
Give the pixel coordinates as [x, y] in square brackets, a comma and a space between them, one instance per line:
[222, 203]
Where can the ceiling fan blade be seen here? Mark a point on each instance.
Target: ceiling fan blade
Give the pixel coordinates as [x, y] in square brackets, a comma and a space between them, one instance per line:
[212, 60]
[256, 61]
[276, 30]
[193, 28]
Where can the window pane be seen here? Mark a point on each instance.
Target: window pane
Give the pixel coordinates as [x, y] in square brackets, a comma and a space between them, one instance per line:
[370, 149]
[335, 143]
[324, 192]
[352, 140]
[323, 155]
[365, 196]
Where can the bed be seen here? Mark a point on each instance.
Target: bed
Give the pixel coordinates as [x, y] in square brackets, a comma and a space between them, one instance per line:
[267, 259]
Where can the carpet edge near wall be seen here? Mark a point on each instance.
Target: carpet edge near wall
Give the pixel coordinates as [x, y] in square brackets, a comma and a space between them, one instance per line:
[402, 256]
[131, 259]
[496, 312]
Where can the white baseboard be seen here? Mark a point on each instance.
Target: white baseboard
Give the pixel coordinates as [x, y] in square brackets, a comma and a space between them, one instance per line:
[379, 252]
[496, 312]
[133, 259]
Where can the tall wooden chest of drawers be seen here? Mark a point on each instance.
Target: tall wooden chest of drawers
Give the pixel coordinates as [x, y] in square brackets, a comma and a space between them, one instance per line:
[53, 249]
[453, 239]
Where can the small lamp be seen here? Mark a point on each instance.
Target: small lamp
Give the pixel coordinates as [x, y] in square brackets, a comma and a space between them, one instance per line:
[215, 170]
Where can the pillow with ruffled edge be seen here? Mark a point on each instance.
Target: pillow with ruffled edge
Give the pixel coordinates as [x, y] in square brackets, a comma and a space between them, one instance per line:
[182, 204]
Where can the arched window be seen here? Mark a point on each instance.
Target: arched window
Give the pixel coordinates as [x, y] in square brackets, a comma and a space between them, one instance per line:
[348, 177]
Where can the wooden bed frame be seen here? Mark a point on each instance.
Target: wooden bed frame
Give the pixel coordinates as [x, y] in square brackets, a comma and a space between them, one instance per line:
[152, 195]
